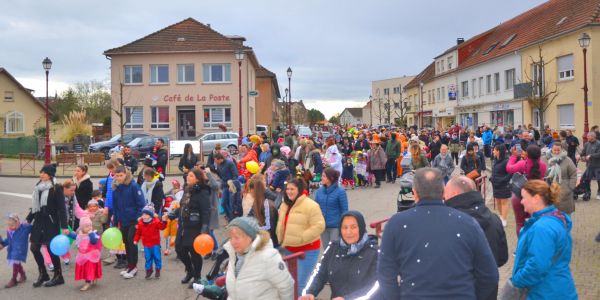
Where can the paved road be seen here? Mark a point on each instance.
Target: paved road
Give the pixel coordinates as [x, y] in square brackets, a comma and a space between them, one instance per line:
[375, 204]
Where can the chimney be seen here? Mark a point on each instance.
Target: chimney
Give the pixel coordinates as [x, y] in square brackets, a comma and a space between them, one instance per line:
[459, 41]
[208, 25]
[238, 39]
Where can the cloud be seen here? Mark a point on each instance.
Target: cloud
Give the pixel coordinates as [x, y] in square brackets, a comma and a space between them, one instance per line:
[330, 107]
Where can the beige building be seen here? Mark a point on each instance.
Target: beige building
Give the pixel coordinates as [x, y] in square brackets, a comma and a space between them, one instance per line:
[183, 80]
[267, 99]
[387, 97]
[20, 112]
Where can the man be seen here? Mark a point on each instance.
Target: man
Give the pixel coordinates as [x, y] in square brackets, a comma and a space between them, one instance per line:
[526, 139]
[487, 141]
[461, 193]
[572, 145]
[444, 163]
[595, 129]
[392, 151]
[591, 155]
[160, 158]
[129, 161]
[434, 251]
[232, 203]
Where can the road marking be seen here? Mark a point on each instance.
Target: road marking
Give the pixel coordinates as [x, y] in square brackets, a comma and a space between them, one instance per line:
[28, 196]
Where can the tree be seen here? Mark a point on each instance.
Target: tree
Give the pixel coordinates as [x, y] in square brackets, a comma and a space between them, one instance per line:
[94, 98]
[540, 97]
[314, 116]
[335, 119]
[65, 104]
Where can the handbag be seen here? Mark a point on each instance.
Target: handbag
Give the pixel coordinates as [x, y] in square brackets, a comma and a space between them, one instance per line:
[473, 174]
[517, 181]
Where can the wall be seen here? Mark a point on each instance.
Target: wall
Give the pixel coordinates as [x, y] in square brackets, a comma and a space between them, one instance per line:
[266, 101]
[23, 102]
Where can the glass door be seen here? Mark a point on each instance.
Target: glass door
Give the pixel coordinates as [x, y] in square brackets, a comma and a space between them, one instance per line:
[186, 124]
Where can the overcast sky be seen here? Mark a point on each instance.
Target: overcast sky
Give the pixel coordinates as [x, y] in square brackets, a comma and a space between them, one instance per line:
[335, 48]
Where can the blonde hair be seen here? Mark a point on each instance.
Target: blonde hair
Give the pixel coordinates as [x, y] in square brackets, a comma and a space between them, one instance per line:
[550, 194]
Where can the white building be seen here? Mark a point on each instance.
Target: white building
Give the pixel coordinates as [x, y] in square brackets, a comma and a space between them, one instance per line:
[351, 116]
[386, 99]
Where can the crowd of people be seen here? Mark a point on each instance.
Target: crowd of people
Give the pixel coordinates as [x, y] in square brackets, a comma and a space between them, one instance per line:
[288, 194]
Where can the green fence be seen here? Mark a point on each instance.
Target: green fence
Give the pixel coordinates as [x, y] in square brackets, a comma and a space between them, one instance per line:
[14, 146]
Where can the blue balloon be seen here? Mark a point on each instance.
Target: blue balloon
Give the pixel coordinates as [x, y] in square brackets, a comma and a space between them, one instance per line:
[60, 245]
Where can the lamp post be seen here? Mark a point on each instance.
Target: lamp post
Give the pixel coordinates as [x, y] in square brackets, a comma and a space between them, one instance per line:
[285, 117]
[239, 55]
[584, 42]
[47, 64]
[289, 108]
[421, 84]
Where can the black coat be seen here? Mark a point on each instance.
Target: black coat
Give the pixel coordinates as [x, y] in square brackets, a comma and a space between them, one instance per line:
[434, 148]
[501, 179]
[349, 276]
[194, 215]
[48, 222]
[84, 192]
[273, 218]
[472, 204]
[187, 162]
[158, 196]
[131, 163]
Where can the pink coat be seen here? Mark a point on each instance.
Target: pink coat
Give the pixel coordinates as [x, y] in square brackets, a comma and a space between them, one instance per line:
[524, 167]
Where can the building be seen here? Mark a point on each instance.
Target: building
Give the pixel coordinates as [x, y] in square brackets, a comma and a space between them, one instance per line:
[298, 112]
[388, 102]
[351, 116]
[367, 113]
[267, 99]
[183, 80]
[419, 112]
[20, 112]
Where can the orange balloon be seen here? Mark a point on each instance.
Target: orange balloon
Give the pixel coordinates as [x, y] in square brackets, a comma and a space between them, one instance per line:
[203, 244]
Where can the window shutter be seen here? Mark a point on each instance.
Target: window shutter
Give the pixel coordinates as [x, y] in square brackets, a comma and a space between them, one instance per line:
[566, 115]
[565, 63]
[227, 68]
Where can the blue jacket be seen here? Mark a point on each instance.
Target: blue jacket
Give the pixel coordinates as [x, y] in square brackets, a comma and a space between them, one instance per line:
[487, 137]
[227, 171]
[128, 202]
[438, 252]
[18, 243]
[279, 178]
[333, 202]
[264, 156]
[543, 256]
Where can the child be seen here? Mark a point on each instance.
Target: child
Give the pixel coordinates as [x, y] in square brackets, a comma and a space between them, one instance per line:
[348, 173]
[97, 195]
[93, 211]
[171, 228]
[148, 230]
[176, 191]
[87, 266]
[361, 170]
[280, 175]
[17, 241]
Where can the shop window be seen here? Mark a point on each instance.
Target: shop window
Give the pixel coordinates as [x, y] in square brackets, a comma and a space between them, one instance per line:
[213, 116]
[159, 74]
[565, 67]
[160, 117]
[14, 122]
[566, 116]
[134, 117]
[134, 75]
[185, 73]
[216, 73]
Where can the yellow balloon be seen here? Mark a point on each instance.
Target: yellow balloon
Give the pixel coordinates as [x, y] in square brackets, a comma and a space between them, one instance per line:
[252, 166]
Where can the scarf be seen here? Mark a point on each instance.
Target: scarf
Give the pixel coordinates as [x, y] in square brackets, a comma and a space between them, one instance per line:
[355, 248]
[38, 202]
[147, 188]
[78, 182]
[554, 172]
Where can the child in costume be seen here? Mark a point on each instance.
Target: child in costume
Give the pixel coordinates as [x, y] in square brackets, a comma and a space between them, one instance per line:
[170, 231]
[361, 170]
[87, 262]
[17, 244]
[348, 173]
[148, 230]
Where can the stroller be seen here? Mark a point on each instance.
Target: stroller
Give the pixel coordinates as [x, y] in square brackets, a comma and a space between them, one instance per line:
[406, 198]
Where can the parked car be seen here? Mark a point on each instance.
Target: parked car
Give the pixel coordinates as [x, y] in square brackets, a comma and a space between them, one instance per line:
[141, 146]
[228, 140]
[105, 146]
[260, 129]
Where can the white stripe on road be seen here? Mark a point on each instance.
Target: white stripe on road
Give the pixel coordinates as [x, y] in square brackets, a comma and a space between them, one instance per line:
[28, 196]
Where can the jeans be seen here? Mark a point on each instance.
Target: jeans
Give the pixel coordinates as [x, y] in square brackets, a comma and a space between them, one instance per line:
[232, 203]
[131, 250]
[152, 255]
[487, 150]
[391, 169]
[305, 267]
[212, 235]
[446, 179]
[329, 235]
[520, 214]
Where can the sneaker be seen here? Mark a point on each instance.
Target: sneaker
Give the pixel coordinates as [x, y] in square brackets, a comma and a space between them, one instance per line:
[123, 272]
[148, 274]
[198, 288]
[157, 274]
[50, 267]
[130, 274]
[67, 262]
[109, 260]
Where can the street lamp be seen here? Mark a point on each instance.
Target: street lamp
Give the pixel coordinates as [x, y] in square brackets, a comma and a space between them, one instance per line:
[584, 42]
[285, 106]
[47, 64]
[239, 55]
[289, 108]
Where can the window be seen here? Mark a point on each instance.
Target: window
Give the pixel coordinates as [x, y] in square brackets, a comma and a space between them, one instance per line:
[565, 67]
[490, 48]
[432, 96]
[185, 73]
[396, 105]
[159, 74]
[386, 91]
[429, 97]
[450, 59]
[508, 40]
[134, 117]
[214, 73]
[465, 88]
[496, 82]
[473, 83]
[213, 116]
[536, 117]
[397, 90]
[509, 79]
[9, 96]
[160, 117]
[566, 116]
[443, 92]
[437, 67]
[480, 86]
[439, 96]
[133, 74]
[537, 79]
[14, 122]
[442, 65]
[488, 84]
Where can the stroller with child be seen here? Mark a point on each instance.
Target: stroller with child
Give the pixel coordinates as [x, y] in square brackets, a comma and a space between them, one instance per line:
[406, 198]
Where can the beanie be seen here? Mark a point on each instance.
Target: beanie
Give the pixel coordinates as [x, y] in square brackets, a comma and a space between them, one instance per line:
[248, 225]
[49, 169]
[149, 210]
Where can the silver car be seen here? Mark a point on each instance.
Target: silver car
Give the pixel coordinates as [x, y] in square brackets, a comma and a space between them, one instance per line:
[228, 140]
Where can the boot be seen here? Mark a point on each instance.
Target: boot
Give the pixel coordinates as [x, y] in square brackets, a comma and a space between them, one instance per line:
[149, 274]
[42, 278]
[121, 263]
[57, 279]
[187, 278]
[157, 274]
[11, 283]
[22, 276]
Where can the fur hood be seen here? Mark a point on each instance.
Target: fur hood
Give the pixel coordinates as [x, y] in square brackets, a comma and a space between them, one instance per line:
[84, 178]
[128, 178]
[261, 242]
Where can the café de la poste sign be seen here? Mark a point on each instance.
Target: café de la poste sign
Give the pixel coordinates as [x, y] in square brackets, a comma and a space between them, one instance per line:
[194, 98]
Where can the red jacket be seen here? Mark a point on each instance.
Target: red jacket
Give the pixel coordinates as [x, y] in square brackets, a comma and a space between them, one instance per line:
[149, 233]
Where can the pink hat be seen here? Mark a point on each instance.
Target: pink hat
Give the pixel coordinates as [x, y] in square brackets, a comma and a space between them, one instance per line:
[85, 221]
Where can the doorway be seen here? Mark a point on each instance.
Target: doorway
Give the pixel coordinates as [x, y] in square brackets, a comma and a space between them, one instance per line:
[186, 124]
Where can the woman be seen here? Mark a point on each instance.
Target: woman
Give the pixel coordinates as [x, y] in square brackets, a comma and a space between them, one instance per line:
[333, 157]
[530, 165]
[214, 182]
[152, 189]
[435, 146]
[454, 147]
[187, 161]
[84, 186]
[48, 217]
[210, 161]
[299, 228]
[348, 265]
[501, 181]
[127, 206]
[333, 202]
[255, 270]
[471, 164]
[564, 172]
[262, 208]
[376, 160]
[418, 159]
[193, 215]
[545, 245]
